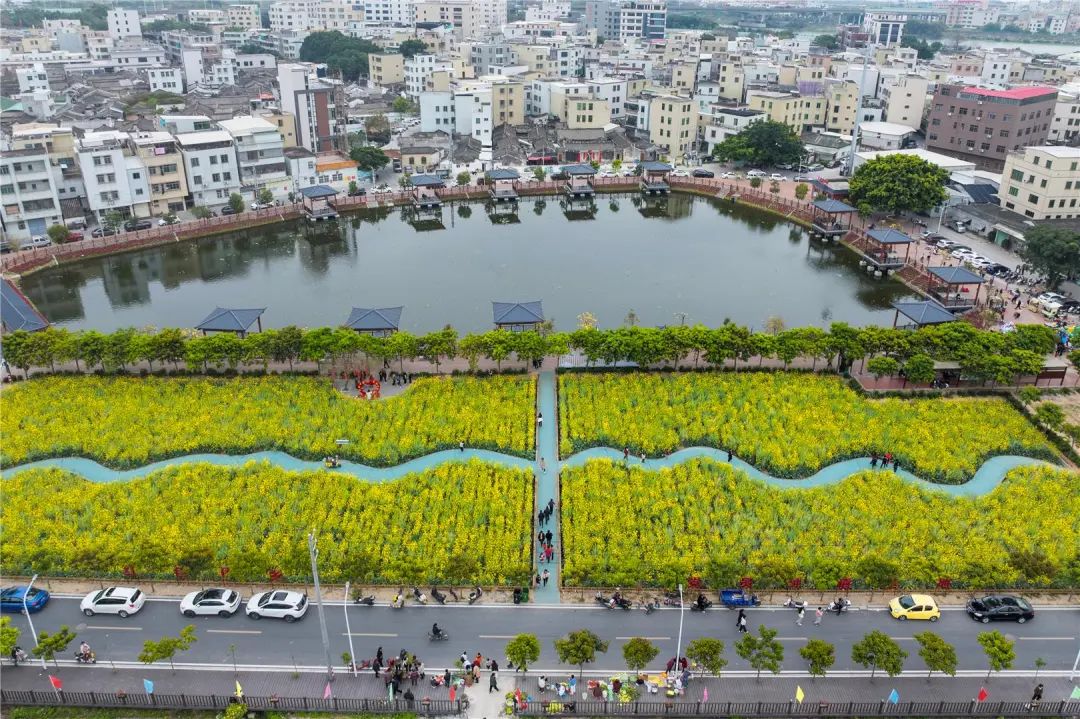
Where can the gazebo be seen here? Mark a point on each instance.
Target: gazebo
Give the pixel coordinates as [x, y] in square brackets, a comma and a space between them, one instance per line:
[381, 322]
[832, 189]
[423, 191]
[920, 314]
[832, 218]
[579, 181]
[951, 286]
[16, 312]
[317, 202]
[518, 316]
[654, 177]
[880, 249]
[223, 319]
[501, 184]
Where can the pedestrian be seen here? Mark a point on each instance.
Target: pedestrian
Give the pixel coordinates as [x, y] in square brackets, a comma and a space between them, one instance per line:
[896, 464]
[818, 616]
[573, 684]
[742, 624]
[550, 506]
[379, 655]
[549, 553]
[729, 455]
[543, 465]
[539, 419]
[873, 459]
[493, 685]
[476, 673]
[461, 445]
[643, 458]
[626, 454]
[740, 619]
[536, 582]
[546, 575]
[549, 536]
[447, 676]
[464, 659]
[799, 617]
[1036, 696]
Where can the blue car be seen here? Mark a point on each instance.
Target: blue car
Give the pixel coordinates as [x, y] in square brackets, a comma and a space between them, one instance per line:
[11, 599]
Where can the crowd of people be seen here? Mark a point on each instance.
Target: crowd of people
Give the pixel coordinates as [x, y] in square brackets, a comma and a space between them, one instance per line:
[886, 460]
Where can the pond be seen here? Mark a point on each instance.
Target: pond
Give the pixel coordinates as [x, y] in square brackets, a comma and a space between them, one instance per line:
[681, 259]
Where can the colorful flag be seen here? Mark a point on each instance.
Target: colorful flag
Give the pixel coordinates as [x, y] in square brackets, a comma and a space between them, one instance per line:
[239, 690]
[148, 686]
[56, 683]
[1075, 693]
[983, 694]
[326, 692]
[894, 696]
[799, 694]
[705, 695]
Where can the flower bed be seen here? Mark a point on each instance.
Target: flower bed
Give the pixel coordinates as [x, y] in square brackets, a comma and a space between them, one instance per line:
[622, 526]
[128, 421]
[456, 523]
[789, 424]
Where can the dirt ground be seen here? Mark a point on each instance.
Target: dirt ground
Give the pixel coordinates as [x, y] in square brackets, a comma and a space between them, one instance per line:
[1070, 403]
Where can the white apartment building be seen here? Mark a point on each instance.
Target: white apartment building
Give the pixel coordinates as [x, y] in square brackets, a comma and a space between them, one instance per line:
[59, 142]
[1042, 183]
[209, 164]
[207, 16]
[167, 79]
[613, 90]
[134, 55]
[260, 154]
[548, 10]
[114, 174]
[1065, 125]
[29, 202]
[123, 23]
[390, 12]
[32, 78]
[245, 16]
[315, 101]
[437, 111]
[727, 121]
[293, 15]
[905, 99]
[418, 69]
[885, 27]
[300, 163]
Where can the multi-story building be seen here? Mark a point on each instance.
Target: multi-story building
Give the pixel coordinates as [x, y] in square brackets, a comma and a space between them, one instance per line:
[727, 121]
[167, 79]
[317, 101]
[210, 163]
[207, 16]
[59, 142]
[300, 162]
[462, 15]
[983, 126]
[164, 170]
[176, 40]
[283, 121]
[386, 68]
[418, 69]
[260, 154]
[123, 23]
[114, 174]
[905, 99]
[885, 27]
[245, 16]
[293, 15]
[627, 19]
[29, 201]
[1042, 182]
[800, 113]
[673, 124]
[390, 12]
[548, 10]
[1065, 126]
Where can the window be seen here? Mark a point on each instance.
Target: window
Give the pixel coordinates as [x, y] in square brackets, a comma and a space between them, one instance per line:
[197, 179]
[216, 177]
[1042, 183]
[213, 159]
[1004, 133]
[1033, 199]
[1014, 191]
[1048, 164]
[194, 162]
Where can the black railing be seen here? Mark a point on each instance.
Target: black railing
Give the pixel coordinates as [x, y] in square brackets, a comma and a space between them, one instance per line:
[425, 707]
[806, 709]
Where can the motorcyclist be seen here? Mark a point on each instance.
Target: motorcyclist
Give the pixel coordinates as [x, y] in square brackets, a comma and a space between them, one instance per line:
[701, 601]
[84, 650]
[435, 631]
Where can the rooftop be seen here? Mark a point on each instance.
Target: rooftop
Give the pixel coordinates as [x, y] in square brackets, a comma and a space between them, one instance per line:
[739, 112]
[517, 312]
[1058, 151]
[886, 128]
[933, 158]
[364, 319]
[1015, 93]
[247, 125]
[151, 138]
[203, 138]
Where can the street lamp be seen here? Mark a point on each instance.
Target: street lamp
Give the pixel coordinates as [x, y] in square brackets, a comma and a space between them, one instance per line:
[29, 619]
[678, 647]
[348, 630]
[313, 551]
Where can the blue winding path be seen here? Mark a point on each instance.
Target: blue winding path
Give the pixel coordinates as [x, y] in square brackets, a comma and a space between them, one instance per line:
[547, 483]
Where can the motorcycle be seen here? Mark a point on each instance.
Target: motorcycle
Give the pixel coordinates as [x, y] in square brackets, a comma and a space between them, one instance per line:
[603, 601]
[839, 605]
[398, 601]
[419, 596]
[18, 655]
[368, 601]
[440, 637]
[622, 603]
[700, 606]
[795, 604]
[650, 606]
[438, 596]
[475, 594]
[87, 658]
[670, 601]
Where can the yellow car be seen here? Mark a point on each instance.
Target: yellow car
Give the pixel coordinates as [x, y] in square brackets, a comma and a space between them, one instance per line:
[914, 606]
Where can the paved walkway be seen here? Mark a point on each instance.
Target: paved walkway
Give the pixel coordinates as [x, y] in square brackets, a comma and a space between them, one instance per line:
[547, 482]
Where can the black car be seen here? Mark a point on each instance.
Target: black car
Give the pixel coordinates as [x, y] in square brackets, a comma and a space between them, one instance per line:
[227, 210]
[360, 192]
[702, 173]
[131, 225]
[1000, 607]
[103, 232]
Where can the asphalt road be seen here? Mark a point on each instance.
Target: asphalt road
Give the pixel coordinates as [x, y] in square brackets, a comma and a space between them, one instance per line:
[1053, 635]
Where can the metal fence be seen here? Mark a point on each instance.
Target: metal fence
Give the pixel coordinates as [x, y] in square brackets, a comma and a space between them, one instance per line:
[425, 707]
[806, 709]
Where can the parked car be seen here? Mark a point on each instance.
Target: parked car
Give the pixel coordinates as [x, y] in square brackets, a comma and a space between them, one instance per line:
[802, 178]
[816, 167]
[785, 166]
[1000, 607]
[381, 190]
[75, 236]
[777, 177]
[756, 173]
[1049, 298]
[701, 172]
[948, 244]
[680, 173]
[103, 232]
[11, 599]
[135, 225]
[998, 270]
[122, 601]
[360, 192]
[914, 606]
[220, 602]
[278, 604]
[261, 205]
[1071, 306]
[169, 220]
[39, 241]
[729, 175]
[227, 210]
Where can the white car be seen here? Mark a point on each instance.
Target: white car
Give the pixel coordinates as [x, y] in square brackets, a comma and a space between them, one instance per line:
[278, 604]
[261, 205]
[756, 173]
[728, 175]
[680, 173]
[40, 241]
[1047, 298]
[122, 601]
[777, 177]
[222, 602]
[381, 190]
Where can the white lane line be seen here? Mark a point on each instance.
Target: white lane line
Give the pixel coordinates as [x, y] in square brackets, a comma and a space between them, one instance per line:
[497, 636]
[794, 639]
[651, 639]
[113, 629]
[1046, 639]
[902, 639]
[366, 634]
[234, 631]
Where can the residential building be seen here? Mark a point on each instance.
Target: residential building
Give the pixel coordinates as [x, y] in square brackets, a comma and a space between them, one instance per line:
[1042, 182]
[29, 201]
[245, 16]
[627, 19]
[723, 122]
[613, 91]
[260, 154]
[114, 174]
[283, 121]
[905, 99]
[59, 142]
[390, 12]
[386, 68]
[507, 101]
[183, 124]
[673, 125]
[165, 79]
[462, 15]
[884, 27]
[300, 163]
[983, 126]
[207, 16]
[164, 169]
[885, 135]
[970, 14]
[210, 163]
[336, 170]
[586, 112]
[123, 23]
[317, 101]
[1065, 125]
[791, 108]
[294, 15]
[418, 69]
[548, 10]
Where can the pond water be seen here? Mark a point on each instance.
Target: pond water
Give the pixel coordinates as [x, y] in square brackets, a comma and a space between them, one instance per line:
[661, 259]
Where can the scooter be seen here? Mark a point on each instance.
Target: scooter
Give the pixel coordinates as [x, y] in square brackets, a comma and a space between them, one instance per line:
[795, 604]
[623, 603]
[697, 607]
[475, 594]
[839, 606]
[440, 637]
[398, 601]
[438, 596]
[604, 601]
[650, 606]
[87, 658]
[419, 596]
[368, 601]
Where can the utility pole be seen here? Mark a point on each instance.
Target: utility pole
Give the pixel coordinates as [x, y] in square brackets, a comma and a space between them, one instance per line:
[348, 630]
[29, 617]
[313, 551]
[678, 646]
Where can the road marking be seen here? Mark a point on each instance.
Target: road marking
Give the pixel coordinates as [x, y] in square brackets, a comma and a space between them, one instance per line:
[234, 631]
[366, 634]
[1046, 639]
[651, 639]
[110, 629]
[497, 636]
[902, 639]
[794, 639]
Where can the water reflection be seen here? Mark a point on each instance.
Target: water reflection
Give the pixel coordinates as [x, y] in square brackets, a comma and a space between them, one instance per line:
[725, 261]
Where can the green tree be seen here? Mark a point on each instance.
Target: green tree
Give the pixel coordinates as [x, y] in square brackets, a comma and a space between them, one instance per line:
[638, 652]
[378, 129]
[820, 655]
[412, 47]
[9, 636]
[58, 234]
[763, 651]
[402, 106]
[49, 645]
[264, 196]
[876, 572]
[829, 42]
[436, 345]
[936, 653]
[774, 187]
[579, 648]
[877, 650]
[881, 366]
[539, 173]
[755, 182]
[113, 220]
[167, 647]
[1053, 252]
[369, 158]
[898, 183]
[523, 650]
[340, 52]
[1000, 652]
[464, 178]
[801, 190]
[762, 143]
[708, 653]
[919, 369]
[200, 213]
[1051, 415]
[236, 202]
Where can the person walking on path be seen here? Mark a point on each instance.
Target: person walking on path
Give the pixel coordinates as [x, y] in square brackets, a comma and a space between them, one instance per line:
[818, 616]
[643, 458]
[550, 506]
[461, 445]
[543, 465]
[549, 536]
[729, 455]
[493, 685]
[539, 419]
[740, 621]
[549, 553]
[545, 576]
[1036, 696]
[799, 616]
[626, 454]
